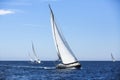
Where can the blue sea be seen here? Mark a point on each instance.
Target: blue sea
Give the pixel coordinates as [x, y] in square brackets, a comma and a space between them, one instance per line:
[91, 70]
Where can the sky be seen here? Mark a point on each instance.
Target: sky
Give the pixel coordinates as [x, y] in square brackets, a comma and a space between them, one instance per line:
[91, 28]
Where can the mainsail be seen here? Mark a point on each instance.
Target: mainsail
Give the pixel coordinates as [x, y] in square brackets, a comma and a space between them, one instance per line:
[65, 54]
[35, 55]
[31, 58]
[113, 59]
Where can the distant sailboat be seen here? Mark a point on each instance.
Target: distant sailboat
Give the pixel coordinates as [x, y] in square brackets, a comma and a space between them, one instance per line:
[113, 59]
[35, 59]
[64, 52]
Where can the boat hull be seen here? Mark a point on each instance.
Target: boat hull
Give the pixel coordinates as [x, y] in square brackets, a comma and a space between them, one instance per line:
[69, 66]
[36, 62]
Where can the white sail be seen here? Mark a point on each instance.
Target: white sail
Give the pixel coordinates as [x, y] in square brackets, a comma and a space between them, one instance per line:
[113, 59]
[36, 57]
[63, 49]
[31, 58]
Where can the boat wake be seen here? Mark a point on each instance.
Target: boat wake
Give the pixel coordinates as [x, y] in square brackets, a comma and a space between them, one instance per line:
[49, 67]
[34, 67]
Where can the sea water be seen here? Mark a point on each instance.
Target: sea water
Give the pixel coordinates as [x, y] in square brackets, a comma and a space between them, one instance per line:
[91, 70]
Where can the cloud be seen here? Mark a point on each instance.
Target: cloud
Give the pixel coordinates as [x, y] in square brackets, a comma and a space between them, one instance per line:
[5, 12]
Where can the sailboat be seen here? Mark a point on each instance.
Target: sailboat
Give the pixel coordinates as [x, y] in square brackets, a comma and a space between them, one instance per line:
[35, 59]
[113, 59]
[65, 54]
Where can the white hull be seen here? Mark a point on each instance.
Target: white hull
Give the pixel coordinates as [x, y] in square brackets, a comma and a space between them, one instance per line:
[36, 62]
[75, 65]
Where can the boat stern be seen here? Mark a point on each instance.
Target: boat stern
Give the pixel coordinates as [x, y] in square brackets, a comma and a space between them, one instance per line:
[75, 65]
